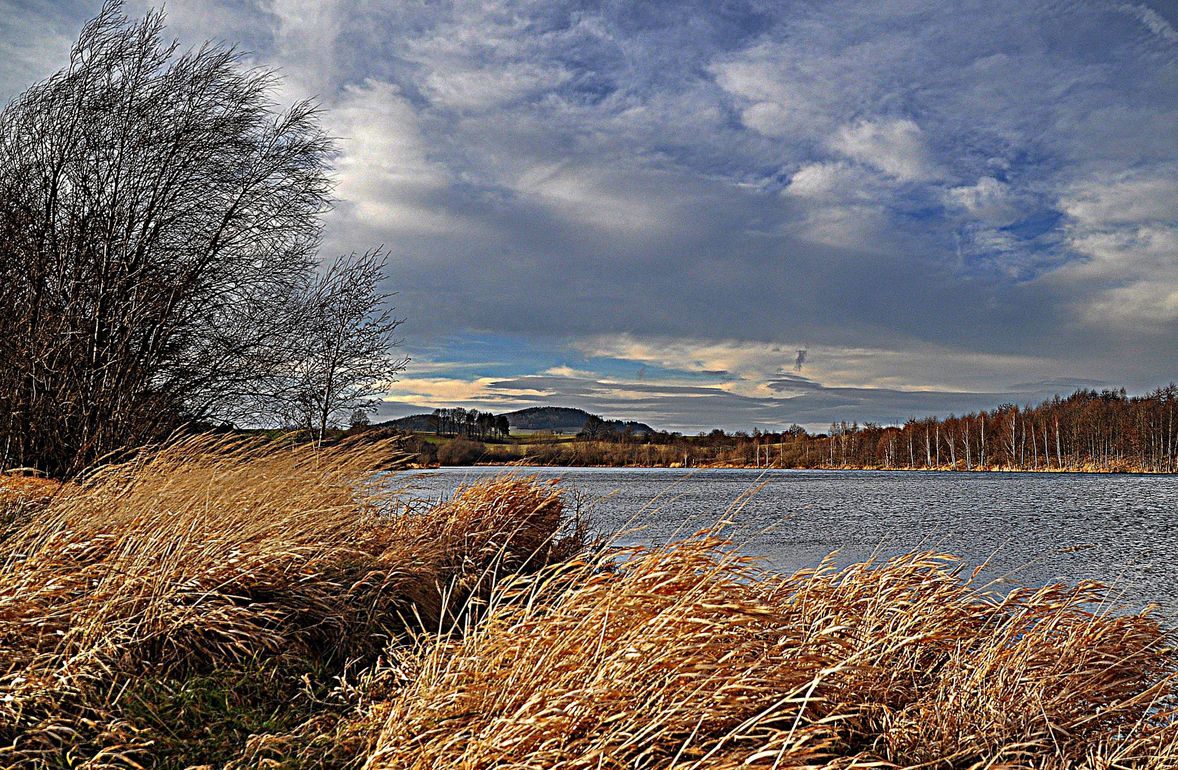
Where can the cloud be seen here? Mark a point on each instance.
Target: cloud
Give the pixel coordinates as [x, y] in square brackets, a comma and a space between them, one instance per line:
[1136, 272]
[1152, 20]
[306, 34]
[1124, 198]
[767, 104]
[482, 89]
[1126, 226]
[385, 178]
[832, 182]
[894, 146]
[842, 204]
[568, 371]
[600, 197]
[988, 200]
[933, 198]
[692, 407]
[729, 359]
[485, 392]
[749, 367]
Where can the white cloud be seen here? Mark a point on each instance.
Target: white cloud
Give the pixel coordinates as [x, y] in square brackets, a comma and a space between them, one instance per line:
[564, 370]
[484, 89]
[691, 355]
[606, 198]
[744, 366]
[1125, 226]
[835, 181]
[385, 177]
[306, 36]
[987, 200]
[1135, 272]
[1152, 20]
[768, 118]
[769, 105]
[1130, 197]
[758, 390]
[896, 147]
[481, 392]
[844, 204]
[486, 56]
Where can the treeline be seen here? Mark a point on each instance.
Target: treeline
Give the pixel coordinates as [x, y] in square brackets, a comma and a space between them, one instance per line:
[1105, 430]
[597, 428]
[1089, 430]
[469, 423]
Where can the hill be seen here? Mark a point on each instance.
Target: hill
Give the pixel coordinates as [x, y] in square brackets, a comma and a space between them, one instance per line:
[558, 419]
[566, 420]
[418, 423]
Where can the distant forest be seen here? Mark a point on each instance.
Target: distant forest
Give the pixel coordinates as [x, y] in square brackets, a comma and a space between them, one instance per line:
[1089, 430]
[469, 423]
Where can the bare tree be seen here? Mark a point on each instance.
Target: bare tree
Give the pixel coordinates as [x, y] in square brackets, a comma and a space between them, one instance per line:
[358, 419]
[342, 360]
[159, 223]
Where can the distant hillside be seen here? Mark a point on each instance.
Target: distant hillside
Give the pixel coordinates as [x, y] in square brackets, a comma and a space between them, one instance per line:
[565, 420]
[558, 419]
[414, 422]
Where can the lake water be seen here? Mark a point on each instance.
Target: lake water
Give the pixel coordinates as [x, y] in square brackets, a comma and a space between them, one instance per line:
[1033, 527]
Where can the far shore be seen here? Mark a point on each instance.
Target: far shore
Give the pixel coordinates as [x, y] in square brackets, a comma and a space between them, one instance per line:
[527, 463]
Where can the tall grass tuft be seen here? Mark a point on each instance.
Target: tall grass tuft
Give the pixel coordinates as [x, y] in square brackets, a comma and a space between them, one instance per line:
[690, 657]
[217, 579]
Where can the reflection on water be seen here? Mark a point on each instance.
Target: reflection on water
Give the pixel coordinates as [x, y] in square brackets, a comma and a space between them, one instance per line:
[1033, 528]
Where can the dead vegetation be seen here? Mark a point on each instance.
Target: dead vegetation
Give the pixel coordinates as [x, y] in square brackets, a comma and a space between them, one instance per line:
[225, 603]
[217, 577]
[690, 657]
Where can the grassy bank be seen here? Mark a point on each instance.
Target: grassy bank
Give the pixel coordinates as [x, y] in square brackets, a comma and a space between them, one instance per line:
[566, 451]
[229, 604]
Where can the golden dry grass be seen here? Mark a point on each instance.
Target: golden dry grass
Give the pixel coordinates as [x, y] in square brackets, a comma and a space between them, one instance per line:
[15, 485]
[690, 657]
[244, 606]
[233, 564]
[21, 496]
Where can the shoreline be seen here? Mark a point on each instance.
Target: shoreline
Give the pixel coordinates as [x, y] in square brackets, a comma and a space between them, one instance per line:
[525, 463]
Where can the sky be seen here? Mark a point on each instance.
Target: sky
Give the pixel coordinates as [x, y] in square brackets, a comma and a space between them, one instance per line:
[735, 214]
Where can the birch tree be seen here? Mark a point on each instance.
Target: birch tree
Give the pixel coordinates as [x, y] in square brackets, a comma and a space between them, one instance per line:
[342, 360]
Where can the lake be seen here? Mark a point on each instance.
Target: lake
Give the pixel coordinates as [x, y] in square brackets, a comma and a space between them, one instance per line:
[1033, 527]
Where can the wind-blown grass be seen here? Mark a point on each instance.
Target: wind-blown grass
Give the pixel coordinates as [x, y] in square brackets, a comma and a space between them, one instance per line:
[244, 606]
[216, 576]
[687, 656]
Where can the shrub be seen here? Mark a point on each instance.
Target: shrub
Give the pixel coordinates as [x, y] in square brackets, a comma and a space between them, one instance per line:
[460, 451]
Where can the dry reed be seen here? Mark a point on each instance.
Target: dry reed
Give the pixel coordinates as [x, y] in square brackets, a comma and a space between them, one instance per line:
[239, 605]
[246, 568]
[688, 656]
